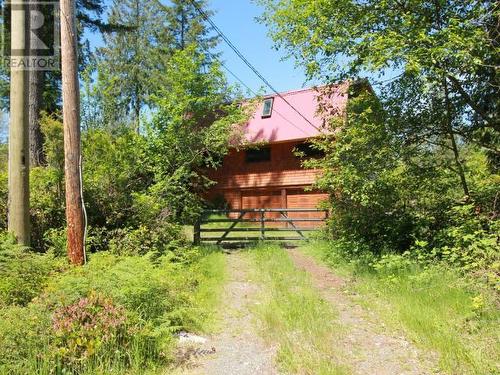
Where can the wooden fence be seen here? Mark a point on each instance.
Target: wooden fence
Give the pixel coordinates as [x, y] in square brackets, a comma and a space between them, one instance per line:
[255, 228]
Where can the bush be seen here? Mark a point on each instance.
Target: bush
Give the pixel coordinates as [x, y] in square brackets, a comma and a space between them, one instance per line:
[23, 274]
[156, 292]
[24, 340]
[470, 243]
[86, 327]
[46, 203]
[158, 238]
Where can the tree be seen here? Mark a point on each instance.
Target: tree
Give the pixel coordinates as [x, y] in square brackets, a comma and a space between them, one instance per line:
[441, 51]
[36, 79]
[188, 27]
[132, 64]
[44, 86]
[71, 121]
[128, 60]
[19, 219]
[409, 165]
[190, 132]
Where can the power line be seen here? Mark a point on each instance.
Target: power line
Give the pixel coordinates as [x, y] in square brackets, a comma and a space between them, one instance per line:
[254, 93]
[250, 90]
[244, 59]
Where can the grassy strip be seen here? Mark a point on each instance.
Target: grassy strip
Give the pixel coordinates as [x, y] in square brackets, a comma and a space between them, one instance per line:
[437, 307]
[295, 316]
[212, 275]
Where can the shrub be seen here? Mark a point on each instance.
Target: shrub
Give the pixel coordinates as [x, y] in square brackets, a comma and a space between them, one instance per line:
[55, 241]
[113, 315]
[23, 274]
[85, 328]
[46, 203]
[24, 341]
[155, 292]
[157, 238]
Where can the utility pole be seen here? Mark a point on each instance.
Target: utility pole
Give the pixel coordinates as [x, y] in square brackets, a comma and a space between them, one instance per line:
[71, 121]
[18, 206]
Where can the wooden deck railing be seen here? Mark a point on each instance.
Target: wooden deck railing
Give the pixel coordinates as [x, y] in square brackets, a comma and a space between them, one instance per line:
[256, 225]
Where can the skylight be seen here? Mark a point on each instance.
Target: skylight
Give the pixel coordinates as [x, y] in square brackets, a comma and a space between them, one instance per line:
[267, 108]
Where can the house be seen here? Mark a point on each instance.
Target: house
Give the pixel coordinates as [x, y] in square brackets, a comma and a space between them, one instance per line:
[266, 173]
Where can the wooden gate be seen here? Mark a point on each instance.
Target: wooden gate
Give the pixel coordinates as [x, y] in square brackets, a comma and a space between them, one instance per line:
[253, 224]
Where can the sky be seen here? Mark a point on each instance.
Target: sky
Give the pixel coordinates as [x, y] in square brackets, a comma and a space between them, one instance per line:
[237, 19]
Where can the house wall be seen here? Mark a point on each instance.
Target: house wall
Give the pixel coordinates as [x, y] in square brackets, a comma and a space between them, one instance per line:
[278, 183]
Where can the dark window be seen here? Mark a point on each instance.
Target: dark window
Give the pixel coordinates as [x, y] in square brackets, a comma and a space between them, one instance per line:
[308, 150]
[267, 108]
[258, 155]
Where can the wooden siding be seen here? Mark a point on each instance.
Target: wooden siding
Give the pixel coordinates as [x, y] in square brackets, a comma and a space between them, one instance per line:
[278, 183]
[282, 170]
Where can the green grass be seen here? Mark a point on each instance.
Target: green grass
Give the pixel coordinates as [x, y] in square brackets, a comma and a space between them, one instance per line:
[436, 307]
[212, 277]
[294, 316]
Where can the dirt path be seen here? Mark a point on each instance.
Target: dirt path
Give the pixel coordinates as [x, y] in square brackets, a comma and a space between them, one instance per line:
[237, 349]
[370, 350]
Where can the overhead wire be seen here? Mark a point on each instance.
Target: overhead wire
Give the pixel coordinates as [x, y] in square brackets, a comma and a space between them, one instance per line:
[255, 94]
[245, 60]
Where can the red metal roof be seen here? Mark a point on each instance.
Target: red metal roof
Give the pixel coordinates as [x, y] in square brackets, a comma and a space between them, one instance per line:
[285, 124]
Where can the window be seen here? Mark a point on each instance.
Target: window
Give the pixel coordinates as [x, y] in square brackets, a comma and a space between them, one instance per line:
[307, 150]
[267, 108]
[258, 155]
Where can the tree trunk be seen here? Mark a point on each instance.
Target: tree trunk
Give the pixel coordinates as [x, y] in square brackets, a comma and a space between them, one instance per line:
[454, 147]
[71, 120]
[36, 78]
[19, 218]
[37, 156]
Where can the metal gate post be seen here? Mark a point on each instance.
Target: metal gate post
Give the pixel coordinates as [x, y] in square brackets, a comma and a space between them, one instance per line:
[262, 225]
[197, 231]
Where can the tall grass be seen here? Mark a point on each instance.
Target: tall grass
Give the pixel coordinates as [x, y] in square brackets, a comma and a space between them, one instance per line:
[295, 316]
[437, 307]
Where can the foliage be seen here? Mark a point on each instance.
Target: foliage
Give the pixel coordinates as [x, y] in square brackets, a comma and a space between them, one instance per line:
[389, 197]
[84, 327]
[427, 40]
[364, 176]
[158, 239]
[470, 243]
[113, 315]
[190, 132]
[114, 171]
[89, 15]
[23, 338]
[188, 27]
[418, 164]
[128, 59]
[23, 274]
[132, 63]
[136, 184]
